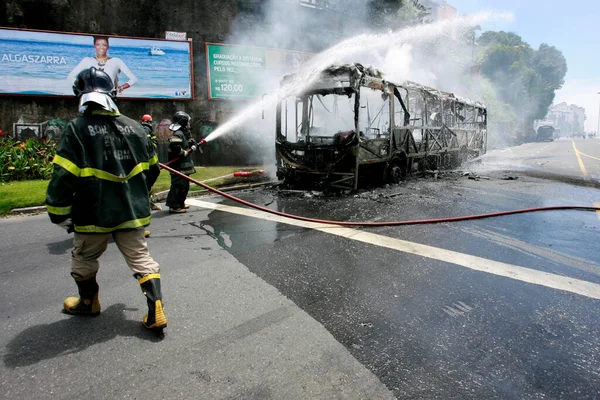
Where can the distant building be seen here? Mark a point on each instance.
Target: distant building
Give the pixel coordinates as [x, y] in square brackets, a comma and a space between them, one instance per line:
[569, 119]
[439, 9]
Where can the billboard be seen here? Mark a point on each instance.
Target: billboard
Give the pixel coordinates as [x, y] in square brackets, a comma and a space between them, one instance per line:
[247, 72]
[37, 63]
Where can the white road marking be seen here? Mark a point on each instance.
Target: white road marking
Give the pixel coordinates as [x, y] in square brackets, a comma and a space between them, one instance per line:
[452, 312]
[463, 306]
[457, 309]
[572, 285]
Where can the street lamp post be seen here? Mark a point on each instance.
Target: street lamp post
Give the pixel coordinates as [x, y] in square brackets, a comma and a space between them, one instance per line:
[598, 131]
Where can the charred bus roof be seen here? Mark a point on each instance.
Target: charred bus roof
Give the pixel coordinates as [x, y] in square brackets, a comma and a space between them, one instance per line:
[352, 76]
[348, 76]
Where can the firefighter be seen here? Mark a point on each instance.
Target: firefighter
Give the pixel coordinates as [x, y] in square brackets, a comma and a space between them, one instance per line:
[181, 145]
[99, 189]
[146, 122]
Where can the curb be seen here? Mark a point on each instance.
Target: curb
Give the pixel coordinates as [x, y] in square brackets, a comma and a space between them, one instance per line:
[27, 210]
[161, 196]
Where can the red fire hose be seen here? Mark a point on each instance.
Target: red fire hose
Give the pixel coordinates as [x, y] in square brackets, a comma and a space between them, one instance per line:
[392, 223]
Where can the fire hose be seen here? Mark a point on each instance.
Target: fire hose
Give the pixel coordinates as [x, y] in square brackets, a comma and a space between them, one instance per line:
[389, 223]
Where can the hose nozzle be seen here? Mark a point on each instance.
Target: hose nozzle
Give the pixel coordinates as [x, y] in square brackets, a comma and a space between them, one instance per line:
[202, 142]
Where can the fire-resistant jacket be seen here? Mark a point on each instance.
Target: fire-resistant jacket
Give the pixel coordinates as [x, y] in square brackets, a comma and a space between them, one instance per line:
[153, 143]
[178, 144]
[101, 173]
[150, 134]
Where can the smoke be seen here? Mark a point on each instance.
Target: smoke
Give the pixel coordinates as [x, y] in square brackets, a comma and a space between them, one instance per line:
[284, 24]
[431, 54]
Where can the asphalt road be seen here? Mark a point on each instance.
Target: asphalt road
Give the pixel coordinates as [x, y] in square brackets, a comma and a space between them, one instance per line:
[262, 306]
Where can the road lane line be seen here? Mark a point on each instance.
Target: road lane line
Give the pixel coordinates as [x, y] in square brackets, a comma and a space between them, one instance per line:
[516, 272]
[580, 161]
[588, 156]
[582, 167]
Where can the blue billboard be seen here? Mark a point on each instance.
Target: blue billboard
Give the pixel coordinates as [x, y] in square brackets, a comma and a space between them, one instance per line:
[37, 63]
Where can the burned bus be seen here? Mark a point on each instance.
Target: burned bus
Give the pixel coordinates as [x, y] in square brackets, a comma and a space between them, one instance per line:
[350, 126]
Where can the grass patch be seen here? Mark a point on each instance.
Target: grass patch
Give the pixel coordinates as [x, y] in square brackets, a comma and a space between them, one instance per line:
[20, 194]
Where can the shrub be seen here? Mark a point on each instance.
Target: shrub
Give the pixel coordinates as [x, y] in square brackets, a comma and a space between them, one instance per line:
[27, 160]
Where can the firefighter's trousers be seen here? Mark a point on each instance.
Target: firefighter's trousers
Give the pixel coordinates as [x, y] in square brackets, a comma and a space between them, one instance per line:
[87, 248]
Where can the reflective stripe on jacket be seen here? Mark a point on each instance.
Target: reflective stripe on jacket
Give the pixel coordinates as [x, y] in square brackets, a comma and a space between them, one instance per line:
[102, 170]
[178, 143]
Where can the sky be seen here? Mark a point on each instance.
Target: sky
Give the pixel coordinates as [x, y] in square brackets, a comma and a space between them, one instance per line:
[572, 27]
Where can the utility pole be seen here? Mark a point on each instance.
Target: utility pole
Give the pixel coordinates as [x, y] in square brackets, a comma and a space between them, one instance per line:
[598, 131]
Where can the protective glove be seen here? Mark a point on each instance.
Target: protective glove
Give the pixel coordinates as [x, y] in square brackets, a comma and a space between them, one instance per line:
[193, 147]
[187, 152]
[67, 225]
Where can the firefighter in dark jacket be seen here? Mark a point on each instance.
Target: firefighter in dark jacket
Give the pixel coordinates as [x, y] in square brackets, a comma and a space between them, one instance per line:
[146, 122]
[181, 145]
[100, 189]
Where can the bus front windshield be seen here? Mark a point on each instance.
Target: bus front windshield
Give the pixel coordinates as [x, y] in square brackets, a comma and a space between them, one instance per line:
[317, 115]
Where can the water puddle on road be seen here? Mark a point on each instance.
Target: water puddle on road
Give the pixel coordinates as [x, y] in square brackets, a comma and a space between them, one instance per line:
[239, 234]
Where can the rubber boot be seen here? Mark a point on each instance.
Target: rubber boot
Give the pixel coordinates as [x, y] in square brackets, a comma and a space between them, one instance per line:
[87, 303]
[155, 319]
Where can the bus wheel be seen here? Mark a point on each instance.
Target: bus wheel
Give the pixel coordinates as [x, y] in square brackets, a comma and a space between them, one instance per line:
[397, 169]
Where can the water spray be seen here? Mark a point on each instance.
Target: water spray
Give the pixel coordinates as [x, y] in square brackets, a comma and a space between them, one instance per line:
[350, 48]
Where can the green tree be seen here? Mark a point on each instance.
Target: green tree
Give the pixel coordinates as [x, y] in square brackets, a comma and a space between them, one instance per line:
[525, 78]
[505, 62]
[550, 68]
